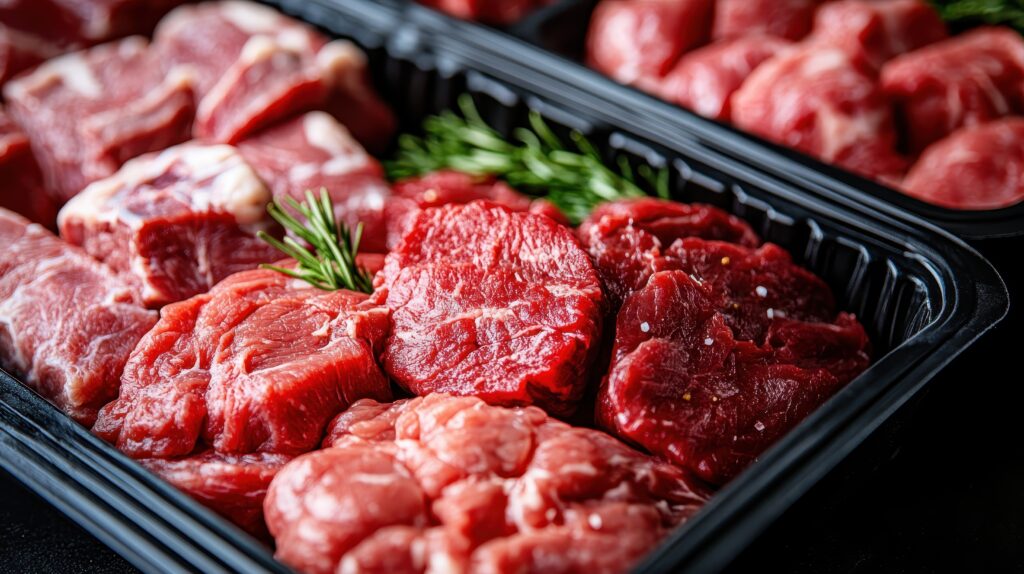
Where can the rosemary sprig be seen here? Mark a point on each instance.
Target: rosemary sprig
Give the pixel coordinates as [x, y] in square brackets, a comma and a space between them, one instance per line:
[534, 161]
[331, 264]
[1009, 12]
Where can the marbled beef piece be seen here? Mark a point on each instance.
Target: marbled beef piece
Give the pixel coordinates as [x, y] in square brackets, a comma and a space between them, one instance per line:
[22, 190]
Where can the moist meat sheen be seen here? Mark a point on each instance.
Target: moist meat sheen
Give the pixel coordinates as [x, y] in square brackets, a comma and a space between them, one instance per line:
[450, 484]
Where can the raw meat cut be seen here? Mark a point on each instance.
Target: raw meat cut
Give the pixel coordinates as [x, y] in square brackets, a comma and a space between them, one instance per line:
[489, 11]
[718, 358]
[977, 167]
[633, 40]
[22, 190]
[174, 222]
[628, 240]
[790, 19]
[88, 112]
[20, 51]
[67, 323]
[825, 103]
[877, 31]
[254, 66]
[462, 486]
[705, 79]
[314, 151]
[261, 363]
[963, 81]
[84, 22]
[493, 303]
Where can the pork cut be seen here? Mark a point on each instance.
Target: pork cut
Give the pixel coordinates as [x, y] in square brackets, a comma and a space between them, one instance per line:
[718, 358]
[493, 303]
[174, 222]
[84, 22]
[977, 167]
[451, 484]
[966, 80]
[22, 190]
[88, 112]
[789, 19]
[67, 323]
[20, 51]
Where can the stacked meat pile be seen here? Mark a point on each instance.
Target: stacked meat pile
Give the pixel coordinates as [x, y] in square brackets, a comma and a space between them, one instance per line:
[874, 86]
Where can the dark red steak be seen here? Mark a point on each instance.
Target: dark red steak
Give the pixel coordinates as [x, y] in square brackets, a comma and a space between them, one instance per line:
[489, 302]
[22, 190]
[175, 222]
[717, 359]
[790, 19]
[67, 323]
[463, 486]
[88, 112]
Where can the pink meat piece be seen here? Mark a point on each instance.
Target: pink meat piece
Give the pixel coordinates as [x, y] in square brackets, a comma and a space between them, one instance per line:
[20, 51]
[314, 151]
[254, 66]
[789, 19]
[493, 303]
[67, 323]
[976, 167]
[634, 40]
[88, 112]
[175, 222]
[825, 103]
[454, 482]
[705, 79]
[84, 22]
[488, 11]
[966, 80]
[23, 190]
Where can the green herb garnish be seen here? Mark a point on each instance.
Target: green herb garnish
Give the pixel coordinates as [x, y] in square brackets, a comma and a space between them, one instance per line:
[331, 264]
[1008, 12]
[535, 161]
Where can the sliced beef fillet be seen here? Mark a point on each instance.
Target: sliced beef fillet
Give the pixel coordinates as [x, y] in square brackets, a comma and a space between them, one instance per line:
[175, 222]
[88, 112]
[22, 190]
[254, 66]
[790, 19]
[67, 323]
[84, 22]
[314, 151]
[20, 51]
[717, 359]
[493, 303]
[462, 486]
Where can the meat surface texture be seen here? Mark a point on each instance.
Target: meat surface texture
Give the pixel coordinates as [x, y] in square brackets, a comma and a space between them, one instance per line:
[314, 151]
[488, 11]
[67, 323]
[86, 113]
[718, 358]
[22, 190]
[20, 51]
[176, 222]
[445, 484]
[978, 167]
[84, 22]
[963, 81]
[493, 303]
[790, 19]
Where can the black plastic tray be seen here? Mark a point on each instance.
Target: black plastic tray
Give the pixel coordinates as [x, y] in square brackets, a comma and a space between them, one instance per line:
[923, 295]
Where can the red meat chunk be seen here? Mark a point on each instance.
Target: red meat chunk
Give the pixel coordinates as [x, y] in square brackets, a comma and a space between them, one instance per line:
[489, 11]
[176, 222]
[86, 113]
[67, 323]
[966, 80]
[715, 361]
[261, 363]
[977, 167]
[705, 79]
[463, 486]
[20, 51]
[489, 302]
[633, 40]
[314, 151]
[84, 22]
[253, 66]
[790, 19]
[825, 103]
[629, 240]
[23, 190]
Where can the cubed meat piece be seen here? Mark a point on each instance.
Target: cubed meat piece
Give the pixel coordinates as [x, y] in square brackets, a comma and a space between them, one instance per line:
[261, 363]
[455, 482]
[314, 151]
[489, 11]
[254, 66]
[84, 22]
[67, 323]
[789, 19]
[641, 40]
[174, 222]
[977, 167]
[88, 112]
[825, 103]
[966, 80]
[718, 358]
[705, 79]
[20, 51]
[877, 31]
[493, 303]
[22, 190]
